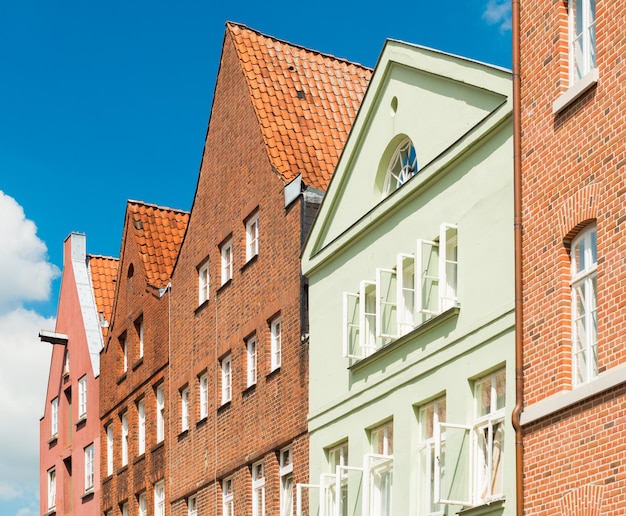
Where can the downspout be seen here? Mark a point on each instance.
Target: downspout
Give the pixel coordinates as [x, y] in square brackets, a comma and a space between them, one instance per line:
[517, 223]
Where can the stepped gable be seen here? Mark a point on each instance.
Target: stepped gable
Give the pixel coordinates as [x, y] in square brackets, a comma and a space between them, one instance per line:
[305, 101]
[159, 232]
[103, 271]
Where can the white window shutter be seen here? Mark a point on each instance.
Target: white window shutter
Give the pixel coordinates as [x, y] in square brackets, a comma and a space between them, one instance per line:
[427, 278]
[448, 266]
[459, 451]
[367, 319]
[299, 489]
[405, 291]
[386, 303]
[351, 326]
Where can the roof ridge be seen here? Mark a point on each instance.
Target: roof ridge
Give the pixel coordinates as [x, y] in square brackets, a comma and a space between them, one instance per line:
[103, 257]
[156, 206]
[295, 45]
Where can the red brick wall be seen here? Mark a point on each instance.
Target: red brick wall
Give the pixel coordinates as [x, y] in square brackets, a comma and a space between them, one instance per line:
[120, 392]
[236, 179]
[572, 173]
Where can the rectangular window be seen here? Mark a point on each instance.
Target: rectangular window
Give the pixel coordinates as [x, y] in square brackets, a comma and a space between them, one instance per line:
[192, 506]
[184, 409]
[124, 439]
[226, 252]
[251, 361]
[124, 509]
[142, 504]
[82, 397]
[203, 282]
[228, 497]
[275, 344]
[204, 396]
[141, 427]
[584, 265]
[286, 482]
[379, 469]
[430, 485]
[258, 489]
[405, 268]
[52, 488]
[476, 448]
[227, 377]
[252, 237]
[335, 489]
[159, 498]
[160, 413]
[124, 348]
[139, 328]
[109, 449]
[54, 417]
[582, 38]
[66, 362]
[89, 472]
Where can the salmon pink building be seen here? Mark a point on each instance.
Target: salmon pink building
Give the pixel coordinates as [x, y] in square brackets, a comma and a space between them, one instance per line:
[573, 244]
[70, 428]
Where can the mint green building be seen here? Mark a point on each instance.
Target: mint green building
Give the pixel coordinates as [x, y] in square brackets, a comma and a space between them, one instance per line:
[411, 291]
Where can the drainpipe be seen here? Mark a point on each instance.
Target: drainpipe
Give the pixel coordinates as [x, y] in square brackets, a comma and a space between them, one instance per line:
[517, 222]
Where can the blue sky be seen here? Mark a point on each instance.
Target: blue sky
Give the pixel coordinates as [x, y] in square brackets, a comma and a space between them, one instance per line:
[101, 102]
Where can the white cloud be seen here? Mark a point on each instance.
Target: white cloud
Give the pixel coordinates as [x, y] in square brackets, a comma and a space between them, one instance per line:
[498, 12]
[25, 273]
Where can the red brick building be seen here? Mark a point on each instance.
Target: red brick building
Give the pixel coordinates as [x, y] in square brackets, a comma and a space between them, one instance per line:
[133, 418]
[573, 266]
[70, 429]
[238, 382]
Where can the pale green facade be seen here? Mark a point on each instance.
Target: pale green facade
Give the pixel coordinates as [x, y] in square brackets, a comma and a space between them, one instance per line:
[437, 336]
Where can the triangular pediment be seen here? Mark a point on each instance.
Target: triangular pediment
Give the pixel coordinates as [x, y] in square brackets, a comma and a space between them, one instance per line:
[445, 104]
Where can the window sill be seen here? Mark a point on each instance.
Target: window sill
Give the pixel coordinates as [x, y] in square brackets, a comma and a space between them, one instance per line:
[562, 400]
[492, 507]
[51, 511]
[121, 378]
[224, 285]
[450, 313]
[223, 407]
[139, 458]
[138, 363]
[252, 260]
[273, 372]
[201, 422]
[201, 306]
[183, 434]
[249, 390]
[160, 444]
[87, 494]
[82, 421]
[122, 469]
[53, 440]
[579, 87]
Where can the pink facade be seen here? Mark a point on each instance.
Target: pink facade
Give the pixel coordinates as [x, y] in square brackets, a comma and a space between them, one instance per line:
[69, 428]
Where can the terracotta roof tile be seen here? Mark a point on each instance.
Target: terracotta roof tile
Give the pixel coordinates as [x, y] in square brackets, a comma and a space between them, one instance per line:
[297, 94]
[103, 272]
[159, 232]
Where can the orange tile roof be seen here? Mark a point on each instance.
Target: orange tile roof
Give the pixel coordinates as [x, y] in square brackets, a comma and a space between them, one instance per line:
[159, 233]
[305, 101]
[103, 272]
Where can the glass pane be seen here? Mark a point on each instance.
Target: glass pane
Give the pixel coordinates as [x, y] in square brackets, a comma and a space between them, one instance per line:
[483, 397]
[500, 390]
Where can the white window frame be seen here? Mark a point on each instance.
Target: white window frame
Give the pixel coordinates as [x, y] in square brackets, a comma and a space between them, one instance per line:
[109, 432]
[582, 46]
[159, 498]
[251, 361]
[405, 287]
[386, 304]
[160, 413]
[124, 419]
[378, 470]
[228, 497]
[448, 267]
[286, 481]
[258, 489]
[226, 253]
[584, 306]
[226, 366]
[52, 488]
[142, 505]
[82, 397]
[125, 509]
[141, 427]
[54, 418]
[275, 343]
[204, 395]
[89, 468]
[66, 362]
[124, 345]
[483, 453]
[252, 237]
[406, 157]
[204, 282]
[429, 484]
[367, 317]
[336, 481]
[192, 505]
[184, 409]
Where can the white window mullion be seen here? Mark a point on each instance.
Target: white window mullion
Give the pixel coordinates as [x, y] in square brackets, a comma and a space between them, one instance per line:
[426, 278]
[405, 293]
[386, 303]
[448, 266]
[351, 326]
[367, 318]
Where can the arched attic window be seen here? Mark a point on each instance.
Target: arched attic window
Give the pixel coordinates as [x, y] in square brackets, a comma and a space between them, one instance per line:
[402, 166]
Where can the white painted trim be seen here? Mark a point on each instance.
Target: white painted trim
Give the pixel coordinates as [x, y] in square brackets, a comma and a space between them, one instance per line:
[577, 89]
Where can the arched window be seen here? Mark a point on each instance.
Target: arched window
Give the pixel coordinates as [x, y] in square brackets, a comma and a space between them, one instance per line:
[402, 167]
[584, 262]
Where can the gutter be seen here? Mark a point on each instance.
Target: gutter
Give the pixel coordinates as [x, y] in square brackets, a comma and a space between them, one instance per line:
[517, 223]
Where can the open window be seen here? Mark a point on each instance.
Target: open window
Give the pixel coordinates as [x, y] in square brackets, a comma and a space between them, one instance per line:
[406, 307]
